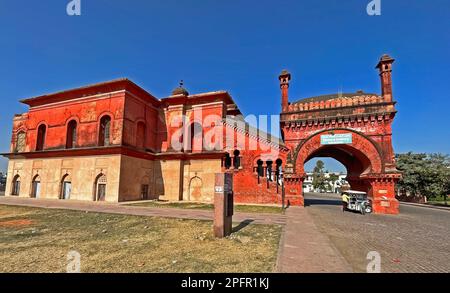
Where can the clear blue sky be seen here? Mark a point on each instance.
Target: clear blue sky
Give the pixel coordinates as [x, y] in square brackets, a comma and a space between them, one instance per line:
[235, 45]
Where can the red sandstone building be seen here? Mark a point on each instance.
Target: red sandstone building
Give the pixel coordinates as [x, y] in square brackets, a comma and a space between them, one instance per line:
[116, 142]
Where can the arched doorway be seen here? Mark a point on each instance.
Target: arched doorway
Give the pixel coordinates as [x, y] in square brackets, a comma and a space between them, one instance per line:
[36, 187]
[362, 159]
[15, 186]
[100, 188]
[66, 187]
[145, 188]
[195, 189]
[359, 156]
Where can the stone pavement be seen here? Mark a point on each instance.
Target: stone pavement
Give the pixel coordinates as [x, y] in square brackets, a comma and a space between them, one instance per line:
[113, 208]
[304, 249]
[416, 241]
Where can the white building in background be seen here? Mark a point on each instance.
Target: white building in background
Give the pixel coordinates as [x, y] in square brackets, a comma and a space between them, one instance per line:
[308, 183]
[333, 186]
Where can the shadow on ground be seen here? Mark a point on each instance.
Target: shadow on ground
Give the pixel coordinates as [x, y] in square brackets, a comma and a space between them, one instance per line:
[242, 225]
[316, 201]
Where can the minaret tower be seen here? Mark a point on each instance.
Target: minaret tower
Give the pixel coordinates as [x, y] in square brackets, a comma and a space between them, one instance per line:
[385, 68]
[284, 78]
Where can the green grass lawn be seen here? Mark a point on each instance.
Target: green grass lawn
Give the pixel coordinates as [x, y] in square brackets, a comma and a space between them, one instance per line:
[38, 240]
[204, 206]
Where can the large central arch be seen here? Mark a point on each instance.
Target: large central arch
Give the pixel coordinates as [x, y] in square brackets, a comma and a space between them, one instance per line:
[361, 158]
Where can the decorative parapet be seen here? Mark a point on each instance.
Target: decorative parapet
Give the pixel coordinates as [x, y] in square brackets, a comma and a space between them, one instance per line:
[294, 122]
[339, 102]
[20, 117]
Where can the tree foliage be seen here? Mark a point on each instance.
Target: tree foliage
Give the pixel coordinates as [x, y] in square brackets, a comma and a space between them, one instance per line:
[424, 174]
[319, 180]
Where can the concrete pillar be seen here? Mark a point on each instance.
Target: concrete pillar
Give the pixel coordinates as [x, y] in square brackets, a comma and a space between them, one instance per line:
[223, 205]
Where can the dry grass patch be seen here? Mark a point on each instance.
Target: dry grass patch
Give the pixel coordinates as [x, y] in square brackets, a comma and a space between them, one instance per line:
[204, 206]
[119, 243]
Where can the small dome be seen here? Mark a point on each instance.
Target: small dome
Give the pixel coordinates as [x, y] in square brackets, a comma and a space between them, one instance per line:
[180, 90]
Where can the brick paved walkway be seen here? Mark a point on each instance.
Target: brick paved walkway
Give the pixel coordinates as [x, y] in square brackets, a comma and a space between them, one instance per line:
[112, 208]
[417, 240]
[305, 250]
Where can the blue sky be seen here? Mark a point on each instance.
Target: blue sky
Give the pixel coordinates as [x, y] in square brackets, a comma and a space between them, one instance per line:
[235, 45]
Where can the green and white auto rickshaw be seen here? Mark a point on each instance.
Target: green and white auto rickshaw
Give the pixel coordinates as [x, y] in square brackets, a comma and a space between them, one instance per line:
[358, 201]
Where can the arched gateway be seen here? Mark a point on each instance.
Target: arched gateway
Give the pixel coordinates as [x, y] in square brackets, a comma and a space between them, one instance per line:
[355, 129]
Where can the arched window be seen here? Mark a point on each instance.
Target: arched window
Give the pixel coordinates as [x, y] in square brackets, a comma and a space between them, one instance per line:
[71, 138]
[15, 187]
[196, 135]
[237, 159]
[140, 135]
[105, 130]
[100, 188]
[227, 161]
[20, 142]
[66, 187]
[41, 138]
[260, 170]
[279, 171]
[36, 187]
[269, 170]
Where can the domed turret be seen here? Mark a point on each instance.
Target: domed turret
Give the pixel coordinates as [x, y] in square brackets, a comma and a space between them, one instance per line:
[180, 90]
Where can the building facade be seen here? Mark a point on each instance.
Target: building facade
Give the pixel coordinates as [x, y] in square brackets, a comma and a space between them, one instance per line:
[116, 142]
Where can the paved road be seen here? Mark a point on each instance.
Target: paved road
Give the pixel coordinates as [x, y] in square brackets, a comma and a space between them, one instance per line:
[418, 240]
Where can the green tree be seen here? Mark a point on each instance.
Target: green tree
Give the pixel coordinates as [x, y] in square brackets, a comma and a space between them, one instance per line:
[319, 180]
[331, 179]
[425, 174]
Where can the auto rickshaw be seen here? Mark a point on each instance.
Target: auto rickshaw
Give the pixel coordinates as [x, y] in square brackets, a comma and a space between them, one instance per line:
[358, 202]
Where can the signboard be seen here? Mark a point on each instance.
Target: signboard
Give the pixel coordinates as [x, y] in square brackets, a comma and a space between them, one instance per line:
[333, 139]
